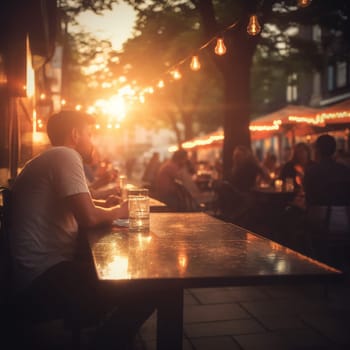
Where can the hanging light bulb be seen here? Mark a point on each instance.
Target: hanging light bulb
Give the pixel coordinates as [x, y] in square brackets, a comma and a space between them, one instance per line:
[254, 26]
[220, 48]
[195, 65]
[176, 74]
[304, 3]
[160, 84]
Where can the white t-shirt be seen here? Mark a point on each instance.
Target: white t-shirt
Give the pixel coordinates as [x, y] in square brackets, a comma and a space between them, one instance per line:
[44, 230]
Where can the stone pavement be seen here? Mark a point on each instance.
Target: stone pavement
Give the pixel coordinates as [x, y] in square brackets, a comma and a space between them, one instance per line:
[264, 317]
[242, 318]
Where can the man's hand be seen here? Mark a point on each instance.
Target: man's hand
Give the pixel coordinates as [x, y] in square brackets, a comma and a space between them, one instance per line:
[124, 210]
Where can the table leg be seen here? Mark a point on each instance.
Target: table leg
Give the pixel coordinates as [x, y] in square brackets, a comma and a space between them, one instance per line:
[170, 320]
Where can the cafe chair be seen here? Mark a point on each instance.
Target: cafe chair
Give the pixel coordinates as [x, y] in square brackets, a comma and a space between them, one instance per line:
[328, 233]
[12, 315]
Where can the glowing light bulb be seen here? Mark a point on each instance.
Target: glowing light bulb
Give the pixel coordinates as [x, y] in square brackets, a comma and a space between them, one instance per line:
[304, 3]
[195, 65]
[254, 26]
[160, 84]
[176, 74]
[220, 48]
[63, 102]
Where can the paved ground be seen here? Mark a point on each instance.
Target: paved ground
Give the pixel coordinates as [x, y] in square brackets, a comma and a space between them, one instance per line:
[278, 317]
[248, 318]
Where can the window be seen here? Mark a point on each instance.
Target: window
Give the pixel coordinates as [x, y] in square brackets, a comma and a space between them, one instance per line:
[330, 78]
[341, 74]
[292, 88]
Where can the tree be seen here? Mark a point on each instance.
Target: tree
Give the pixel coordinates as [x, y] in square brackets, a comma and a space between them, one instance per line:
[86, 60]
[236, 65]
[165, 38]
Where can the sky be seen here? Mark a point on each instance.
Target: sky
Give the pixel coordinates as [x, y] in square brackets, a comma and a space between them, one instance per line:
[115, 26]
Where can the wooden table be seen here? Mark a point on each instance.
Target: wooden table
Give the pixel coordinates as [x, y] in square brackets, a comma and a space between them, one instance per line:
[189, 250]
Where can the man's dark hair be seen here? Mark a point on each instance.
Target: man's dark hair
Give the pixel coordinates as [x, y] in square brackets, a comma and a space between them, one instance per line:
[326, 145]
[179, 155]
[62, 123]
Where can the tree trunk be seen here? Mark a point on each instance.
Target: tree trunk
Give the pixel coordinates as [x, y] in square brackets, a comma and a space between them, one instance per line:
[236, 74]
[235, 67]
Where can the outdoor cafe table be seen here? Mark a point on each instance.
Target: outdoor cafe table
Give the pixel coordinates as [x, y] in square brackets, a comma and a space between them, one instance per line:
[190, 250]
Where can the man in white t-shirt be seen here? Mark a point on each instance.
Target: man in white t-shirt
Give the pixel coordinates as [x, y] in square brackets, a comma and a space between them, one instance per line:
[50, 200]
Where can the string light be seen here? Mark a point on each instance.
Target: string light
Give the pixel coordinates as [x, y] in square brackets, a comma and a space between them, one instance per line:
[220, 48]
[254, 27]
[304, 3]
[195, 65]
[176, 74]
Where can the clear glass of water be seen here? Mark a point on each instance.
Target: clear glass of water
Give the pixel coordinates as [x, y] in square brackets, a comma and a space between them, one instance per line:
[138, 200]
[122, 185]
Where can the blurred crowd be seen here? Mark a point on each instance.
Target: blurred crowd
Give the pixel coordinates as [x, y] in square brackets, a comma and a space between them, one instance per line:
[232, 197]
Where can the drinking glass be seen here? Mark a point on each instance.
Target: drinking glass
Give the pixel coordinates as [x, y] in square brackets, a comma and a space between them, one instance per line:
[139, 217]
[122, 185]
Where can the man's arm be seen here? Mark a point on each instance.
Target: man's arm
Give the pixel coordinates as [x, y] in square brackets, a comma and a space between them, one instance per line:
[89, 215]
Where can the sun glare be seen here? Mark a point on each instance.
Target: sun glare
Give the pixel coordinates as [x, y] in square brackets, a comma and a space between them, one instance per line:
[113, 108]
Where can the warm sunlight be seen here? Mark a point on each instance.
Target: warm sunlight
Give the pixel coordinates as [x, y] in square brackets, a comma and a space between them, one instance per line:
[114, 108]
[115, 25]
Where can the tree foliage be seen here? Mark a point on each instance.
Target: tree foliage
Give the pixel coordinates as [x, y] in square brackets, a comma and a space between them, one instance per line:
[227, 88]
[254, 69]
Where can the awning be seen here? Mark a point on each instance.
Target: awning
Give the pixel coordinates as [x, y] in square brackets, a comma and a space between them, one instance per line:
[338, 113]
[300, 120]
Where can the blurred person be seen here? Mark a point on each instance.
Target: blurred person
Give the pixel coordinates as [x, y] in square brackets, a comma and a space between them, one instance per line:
[270, 166]
[165, 188]
[295, 168]
[327, 181]
[151, 170]
[287, 154]
[245, 170]
[100, 174]
[185, 175]
[50, 202]
[234, 196]
[343, 157]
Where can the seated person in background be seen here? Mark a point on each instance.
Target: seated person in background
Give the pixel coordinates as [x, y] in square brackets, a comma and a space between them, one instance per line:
[269, 166]
[185, 175]
[296, 167]
[151, 170]
[234, 195]
[245, 170]
[327, 181]
[165, 188]
[98, 175]
[50, 202]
